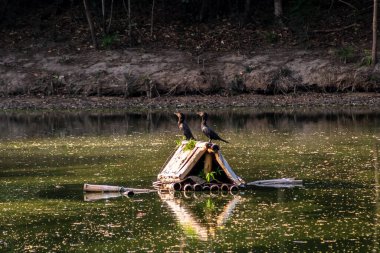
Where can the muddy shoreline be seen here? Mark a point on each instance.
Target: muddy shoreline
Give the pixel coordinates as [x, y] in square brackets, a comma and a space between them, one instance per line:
[322, 100]
[162, 74]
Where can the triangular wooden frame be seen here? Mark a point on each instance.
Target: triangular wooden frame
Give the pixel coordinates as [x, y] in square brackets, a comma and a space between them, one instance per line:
[182, 162]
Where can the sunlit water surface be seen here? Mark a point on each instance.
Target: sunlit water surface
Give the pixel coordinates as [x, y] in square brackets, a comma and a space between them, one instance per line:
[46, 157]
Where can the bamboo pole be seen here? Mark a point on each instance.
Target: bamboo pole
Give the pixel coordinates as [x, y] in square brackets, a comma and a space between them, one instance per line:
[188, 187]
[102, 188]
[224, 187]
[206, 188]
[197, 187]
[214, 187]
[110, 188]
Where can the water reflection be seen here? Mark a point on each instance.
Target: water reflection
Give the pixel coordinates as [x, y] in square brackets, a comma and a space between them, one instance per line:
[61, 124]
[95, 196]
[205, 225]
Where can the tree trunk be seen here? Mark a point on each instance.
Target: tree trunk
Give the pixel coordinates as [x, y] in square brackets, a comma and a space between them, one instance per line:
[247, 11]
[203, 11]
[110, 21]
[151, 19]
[374, 33]
[278, 11]
[129, 23]
[3, 9]
[90, 23]
[104, 16]
[278, 8]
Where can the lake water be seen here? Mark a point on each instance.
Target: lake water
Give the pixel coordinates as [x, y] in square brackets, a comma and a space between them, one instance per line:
[46, 157]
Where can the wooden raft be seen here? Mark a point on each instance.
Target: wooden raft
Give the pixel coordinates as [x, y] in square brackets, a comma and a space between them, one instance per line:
[183, 163]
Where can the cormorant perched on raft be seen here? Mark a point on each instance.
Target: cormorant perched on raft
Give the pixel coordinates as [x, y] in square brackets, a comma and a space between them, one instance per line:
[183, 126]
[207, 130]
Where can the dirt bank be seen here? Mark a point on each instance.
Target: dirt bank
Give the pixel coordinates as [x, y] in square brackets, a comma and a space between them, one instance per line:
[368, 100]
[134, 73]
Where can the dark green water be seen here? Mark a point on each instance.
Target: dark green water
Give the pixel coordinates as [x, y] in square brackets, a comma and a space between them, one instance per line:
[46, 157]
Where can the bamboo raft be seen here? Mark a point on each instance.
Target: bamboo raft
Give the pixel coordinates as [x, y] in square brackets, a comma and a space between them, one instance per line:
[187, 170]
[202, 168]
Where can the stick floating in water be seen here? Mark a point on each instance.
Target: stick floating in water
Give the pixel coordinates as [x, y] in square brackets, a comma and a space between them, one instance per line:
[110, 188]
[277, 183]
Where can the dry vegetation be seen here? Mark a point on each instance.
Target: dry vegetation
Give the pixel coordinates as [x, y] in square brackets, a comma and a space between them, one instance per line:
[195, 47]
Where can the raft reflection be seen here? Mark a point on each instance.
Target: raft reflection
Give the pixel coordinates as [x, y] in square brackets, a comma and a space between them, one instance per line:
[201, 215]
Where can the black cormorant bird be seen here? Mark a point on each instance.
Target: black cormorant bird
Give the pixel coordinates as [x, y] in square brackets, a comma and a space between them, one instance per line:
[207, 130]
[183, 126]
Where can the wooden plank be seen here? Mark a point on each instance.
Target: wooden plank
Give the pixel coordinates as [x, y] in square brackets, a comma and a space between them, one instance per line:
[181, 163]
[192, 153]
[201, 144]
[199, 147]
[176, 161]
[101, 188]
[185, 170]
[180, 158]
[227, 169]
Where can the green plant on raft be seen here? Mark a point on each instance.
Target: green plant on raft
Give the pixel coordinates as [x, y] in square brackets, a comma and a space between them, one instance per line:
[179, 141]
[190, 145]
[210, 175]
[210, 206]
[207, 176]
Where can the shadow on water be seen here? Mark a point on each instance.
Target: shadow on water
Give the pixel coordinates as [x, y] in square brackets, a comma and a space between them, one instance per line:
[61, 124]
[64, 191]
